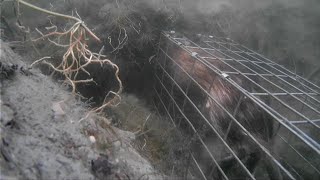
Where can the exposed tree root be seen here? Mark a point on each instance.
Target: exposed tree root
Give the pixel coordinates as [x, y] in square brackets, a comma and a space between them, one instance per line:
[78, 56]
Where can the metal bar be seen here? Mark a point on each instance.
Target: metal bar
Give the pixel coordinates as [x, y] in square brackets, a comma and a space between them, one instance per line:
[195, 131]
[209, 48]
[207, 121]
[280, 94]
[291, 77]
[292, 109]
[273, 67]
[195, 161]
[188, 86]
[296, 131]
[297, 76]
[307, 94]
[299, 154]
[240, 60]
[164, 106]
[316, 144]
[303, 122]
[253, 52]
[254, 62]
[175, 38]
[288, 106]
[253, 74]
[245, 130]
[174, 124]
[279, 77]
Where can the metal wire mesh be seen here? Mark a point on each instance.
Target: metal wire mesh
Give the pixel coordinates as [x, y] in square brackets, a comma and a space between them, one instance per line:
[185, 90]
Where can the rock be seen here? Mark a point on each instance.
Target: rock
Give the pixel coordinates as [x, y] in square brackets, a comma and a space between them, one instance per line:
[101, 167]
[6, 114]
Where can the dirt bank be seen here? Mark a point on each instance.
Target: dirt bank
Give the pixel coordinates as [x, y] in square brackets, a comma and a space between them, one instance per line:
[42, 138]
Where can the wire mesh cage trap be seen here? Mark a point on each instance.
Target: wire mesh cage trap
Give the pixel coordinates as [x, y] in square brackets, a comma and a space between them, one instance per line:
[242, 115]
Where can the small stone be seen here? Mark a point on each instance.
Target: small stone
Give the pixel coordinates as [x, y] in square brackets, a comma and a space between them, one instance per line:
[92, 139]
[56, 108]
[6, 114]
[117, 144]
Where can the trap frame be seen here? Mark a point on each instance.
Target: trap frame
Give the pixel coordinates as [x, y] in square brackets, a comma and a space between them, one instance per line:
[292, 101]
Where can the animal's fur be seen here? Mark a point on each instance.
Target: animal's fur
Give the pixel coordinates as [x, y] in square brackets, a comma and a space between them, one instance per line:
[244, 110]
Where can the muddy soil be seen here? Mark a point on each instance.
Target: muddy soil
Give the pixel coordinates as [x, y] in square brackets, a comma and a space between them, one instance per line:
[42, 136]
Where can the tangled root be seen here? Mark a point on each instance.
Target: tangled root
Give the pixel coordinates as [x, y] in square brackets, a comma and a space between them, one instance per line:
[77, 56]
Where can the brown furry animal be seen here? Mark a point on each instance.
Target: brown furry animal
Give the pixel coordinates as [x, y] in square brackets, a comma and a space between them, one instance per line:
[250, 115]
[183, 65]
